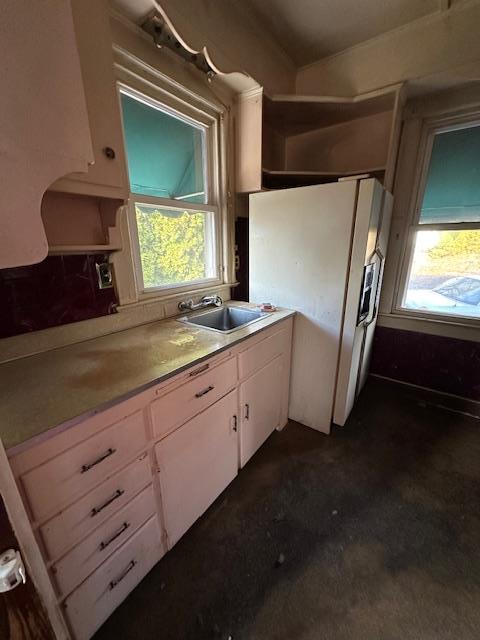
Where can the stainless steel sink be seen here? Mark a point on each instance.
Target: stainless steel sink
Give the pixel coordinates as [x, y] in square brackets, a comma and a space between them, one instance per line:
[225, 319]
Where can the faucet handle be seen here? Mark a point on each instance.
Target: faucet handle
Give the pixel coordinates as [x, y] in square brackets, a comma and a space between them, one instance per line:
[185, 305]
[216, 300]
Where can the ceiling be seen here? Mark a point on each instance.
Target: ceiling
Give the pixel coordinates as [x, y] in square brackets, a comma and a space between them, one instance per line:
[308, 30]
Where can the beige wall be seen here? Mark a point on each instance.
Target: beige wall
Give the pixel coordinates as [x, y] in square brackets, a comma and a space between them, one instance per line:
[233, 38]
[444, 47]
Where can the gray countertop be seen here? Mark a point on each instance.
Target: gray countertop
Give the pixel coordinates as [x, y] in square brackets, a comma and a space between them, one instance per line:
[49, 389]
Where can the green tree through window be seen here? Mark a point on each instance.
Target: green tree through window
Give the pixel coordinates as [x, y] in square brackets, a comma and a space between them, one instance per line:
[172, 245]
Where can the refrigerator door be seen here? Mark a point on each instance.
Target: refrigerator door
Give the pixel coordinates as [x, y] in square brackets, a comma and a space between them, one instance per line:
[299, 255]
[357, 335]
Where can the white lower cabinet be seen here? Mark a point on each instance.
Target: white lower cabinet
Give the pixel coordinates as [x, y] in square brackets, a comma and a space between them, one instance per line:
[196, 463]
[102, 516]
[260, 406]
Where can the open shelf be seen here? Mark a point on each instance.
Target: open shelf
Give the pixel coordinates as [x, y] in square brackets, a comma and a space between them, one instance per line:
[287, 179]
[79, 224]
[292, 140]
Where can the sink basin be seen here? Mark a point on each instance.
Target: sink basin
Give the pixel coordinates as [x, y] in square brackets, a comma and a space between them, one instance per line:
[225, 319]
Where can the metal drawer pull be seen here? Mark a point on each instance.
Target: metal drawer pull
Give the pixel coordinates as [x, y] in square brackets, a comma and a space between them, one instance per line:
[205, 391]
[199, 370]
[124, 527]
[247, 411]
[107, 454]
[235, 423]
[96, 510]
[114, 583]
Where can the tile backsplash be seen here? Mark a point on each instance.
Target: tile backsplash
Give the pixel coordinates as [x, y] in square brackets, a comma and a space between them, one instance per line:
[59, 290]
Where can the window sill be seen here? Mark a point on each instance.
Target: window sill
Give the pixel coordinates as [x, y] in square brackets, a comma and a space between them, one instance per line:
[447, 327]
[168, 298]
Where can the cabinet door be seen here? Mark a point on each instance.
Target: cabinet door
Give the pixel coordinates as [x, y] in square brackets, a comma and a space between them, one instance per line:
[196, 463]
[107, 175]
[260, 404]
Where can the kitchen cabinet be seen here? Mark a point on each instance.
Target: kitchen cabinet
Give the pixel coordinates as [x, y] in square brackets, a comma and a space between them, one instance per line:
[260, 407]
[291, 140]
[107, 175]
[43, 119]
[196, 463]
[109, 495]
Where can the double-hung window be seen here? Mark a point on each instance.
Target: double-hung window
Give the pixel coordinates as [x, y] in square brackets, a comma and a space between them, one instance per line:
[441, 274]
[174, 213]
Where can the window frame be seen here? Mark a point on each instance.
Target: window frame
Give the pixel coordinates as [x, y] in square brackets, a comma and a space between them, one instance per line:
[181, 103]
[431, 127]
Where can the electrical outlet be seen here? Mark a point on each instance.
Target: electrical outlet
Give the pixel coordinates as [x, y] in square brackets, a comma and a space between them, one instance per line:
[105, 275]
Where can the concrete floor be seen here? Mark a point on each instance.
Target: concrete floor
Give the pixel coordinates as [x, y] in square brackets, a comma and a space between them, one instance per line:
[378, 524]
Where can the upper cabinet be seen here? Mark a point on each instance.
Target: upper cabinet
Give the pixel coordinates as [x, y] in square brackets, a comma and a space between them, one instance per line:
[290, 140]
[43, 120]
[106, 176]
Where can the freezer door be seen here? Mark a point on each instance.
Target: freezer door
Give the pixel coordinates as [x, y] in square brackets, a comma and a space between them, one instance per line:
[300, 243]
[369, 246]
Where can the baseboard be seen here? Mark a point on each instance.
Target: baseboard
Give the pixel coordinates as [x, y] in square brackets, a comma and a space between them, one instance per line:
[440, 399]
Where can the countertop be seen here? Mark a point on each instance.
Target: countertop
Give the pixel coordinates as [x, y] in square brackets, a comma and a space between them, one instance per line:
[67, 385]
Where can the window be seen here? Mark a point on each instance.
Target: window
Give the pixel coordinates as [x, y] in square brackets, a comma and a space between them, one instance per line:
[174, 214]
[442, 267]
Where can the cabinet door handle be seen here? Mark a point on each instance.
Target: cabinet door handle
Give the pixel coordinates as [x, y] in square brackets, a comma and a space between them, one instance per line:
[114, 583]
[106, 543]
[235, 423]
[104, 456]
[247, 411]
[96, 510]
[205, 391]
[199, 370]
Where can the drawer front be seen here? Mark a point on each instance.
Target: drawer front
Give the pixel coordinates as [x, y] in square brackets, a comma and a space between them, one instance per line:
[79, 563]
[258, 355]
[75, 522]
[94, 600]
[61, 480]
[204, 389]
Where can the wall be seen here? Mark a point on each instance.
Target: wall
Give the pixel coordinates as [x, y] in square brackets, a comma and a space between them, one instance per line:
[444, 364]
[59, 290]
[443, 46]
[233, 38]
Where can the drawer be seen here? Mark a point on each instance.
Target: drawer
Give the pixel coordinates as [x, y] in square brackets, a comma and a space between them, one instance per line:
[94, 600]
[178, 406]
[259, 354]
[75, 522]
[79, 563]
[59, 481]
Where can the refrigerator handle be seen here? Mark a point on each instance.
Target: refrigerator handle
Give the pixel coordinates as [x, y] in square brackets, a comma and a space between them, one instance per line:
[376, 297]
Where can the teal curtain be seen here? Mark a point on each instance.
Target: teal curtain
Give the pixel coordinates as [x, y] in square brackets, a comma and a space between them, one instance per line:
[452, 192]
[164, 153]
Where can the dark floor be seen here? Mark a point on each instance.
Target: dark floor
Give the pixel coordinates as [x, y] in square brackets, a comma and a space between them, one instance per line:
[379, 526]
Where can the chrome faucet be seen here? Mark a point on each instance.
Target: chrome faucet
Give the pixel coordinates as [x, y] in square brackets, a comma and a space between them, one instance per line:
[206, 301]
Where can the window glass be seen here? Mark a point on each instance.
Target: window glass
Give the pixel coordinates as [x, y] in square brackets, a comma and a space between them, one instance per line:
[452, 190]
[177, 247]
[165, 153]
[445, 273]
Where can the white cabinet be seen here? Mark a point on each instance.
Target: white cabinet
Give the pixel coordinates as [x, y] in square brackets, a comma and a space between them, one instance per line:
[196, 463]
[260, 406]
[43, 120]
[107, 175]
[101, 512]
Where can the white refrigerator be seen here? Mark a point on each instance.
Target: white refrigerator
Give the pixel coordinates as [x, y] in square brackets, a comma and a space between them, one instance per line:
[320, 250]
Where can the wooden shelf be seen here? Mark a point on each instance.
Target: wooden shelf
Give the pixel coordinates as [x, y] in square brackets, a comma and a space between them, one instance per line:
[293, 140]
[288, 179]
[62, 250]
